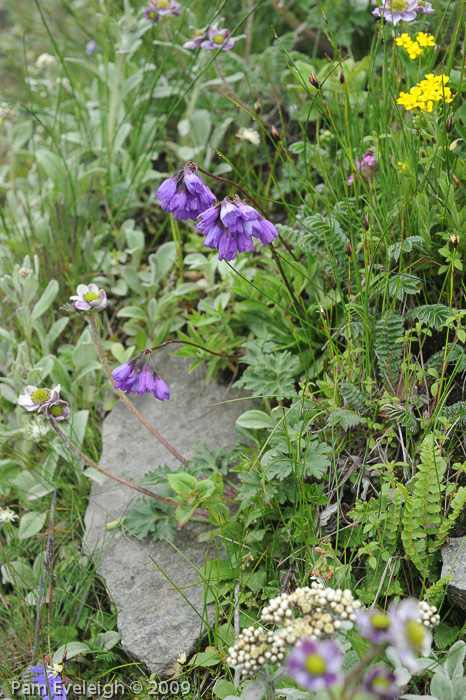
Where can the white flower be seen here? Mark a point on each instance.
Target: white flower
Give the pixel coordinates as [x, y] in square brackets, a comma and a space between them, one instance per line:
[37, 399]
[7, 515]
[36, 432]
[89, 297]
[45, 60]
[250, 135]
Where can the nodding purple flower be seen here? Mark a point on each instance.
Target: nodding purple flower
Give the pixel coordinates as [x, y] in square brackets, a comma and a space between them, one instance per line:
[366, 167]
[88, 297]
[380, 681]
[185, 194]
[374, 625]
[139, 375]
[162, 8]
[394, 11]
[49, 683]
[315, 665]
[231, 225]
[35, 399]
[91, 47]
[211, 37]
[424, 8]
[407, 633]
[58, 410]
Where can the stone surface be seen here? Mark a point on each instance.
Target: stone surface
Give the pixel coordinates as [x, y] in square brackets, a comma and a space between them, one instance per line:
[454, 563]
[155, 621]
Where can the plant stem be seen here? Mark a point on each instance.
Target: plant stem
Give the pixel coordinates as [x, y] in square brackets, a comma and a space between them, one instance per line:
[90, 462]
[187, 342]
[122, 395]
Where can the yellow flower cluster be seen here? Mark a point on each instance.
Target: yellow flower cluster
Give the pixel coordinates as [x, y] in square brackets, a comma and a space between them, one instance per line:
[415, 48]
[425, 93]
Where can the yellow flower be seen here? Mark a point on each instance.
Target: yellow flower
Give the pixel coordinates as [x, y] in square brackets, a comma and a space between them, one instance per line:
[424, 94]
[425, 40]
[404, 40]
[414, 50]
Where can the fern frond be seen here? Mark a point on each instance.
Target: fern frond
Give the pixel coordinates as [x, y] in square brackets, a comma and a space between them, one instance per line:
[435, 593]
[456, 508]
[388, 330]
[354, 397]
[422, 518]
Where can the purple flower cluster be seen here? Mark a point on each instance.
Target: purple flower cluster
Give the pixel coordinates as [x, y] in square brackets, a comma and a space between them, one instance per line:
[46, 400]
[316, 665]
[231, 225]
[49, 683]
[366, 167]
[185, 194]
[394, 11]
[158, 9]
[140, 376]
[211, 37]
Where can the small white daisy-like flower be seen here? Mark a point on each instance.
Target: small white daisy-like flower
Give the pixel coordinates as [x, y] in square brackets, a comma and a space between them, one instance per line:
[45, 60]
[37, 431]
[251, 135]
[7, 515]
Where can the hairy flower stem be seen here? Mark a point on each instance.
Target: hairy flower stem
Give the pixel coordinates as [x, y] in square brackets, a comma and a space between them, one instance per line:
[125, 482]
[187, 342]
[122, 395]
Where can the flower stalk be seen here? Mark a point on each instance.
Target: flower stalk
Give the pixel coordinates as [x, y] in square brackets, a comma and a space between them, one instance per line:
[124, 398]
[125, 482]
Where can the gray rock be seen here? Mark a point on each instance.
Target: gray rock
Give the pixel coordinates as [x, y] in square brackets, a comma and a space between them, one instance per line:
[454, 563]
[157, 622]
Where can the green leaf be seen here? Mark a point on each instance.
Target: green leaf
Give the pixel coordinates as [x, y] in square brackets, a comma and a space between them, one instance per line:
[223, 688]
[46, 299]
[182, 483]
[255, 420]
[31, 523]
[205, 659]
[72, 649]
[106, 640]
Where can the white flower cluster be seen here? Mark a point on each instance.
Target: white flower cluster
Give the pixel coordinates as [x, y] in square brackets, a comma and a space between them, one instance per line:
[7, 114]
[322, 610]
[45, 60]
[429, 616]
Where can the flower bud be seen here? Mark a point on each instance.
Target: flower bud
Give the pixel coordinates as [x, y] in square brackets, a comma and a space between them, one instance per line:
[454, 240]
[314, 82]
[342, 76]
[274, 133]
[456, 180]
[448, 125]
[366, 222]
[348, 249]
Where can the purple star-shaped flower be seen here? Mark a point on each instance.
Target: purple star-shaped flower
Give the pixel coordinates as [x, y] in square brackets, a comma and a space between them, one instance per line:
[231, 225]
[373, 625]
[394, 11]
[315, 665]
[380, 681]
